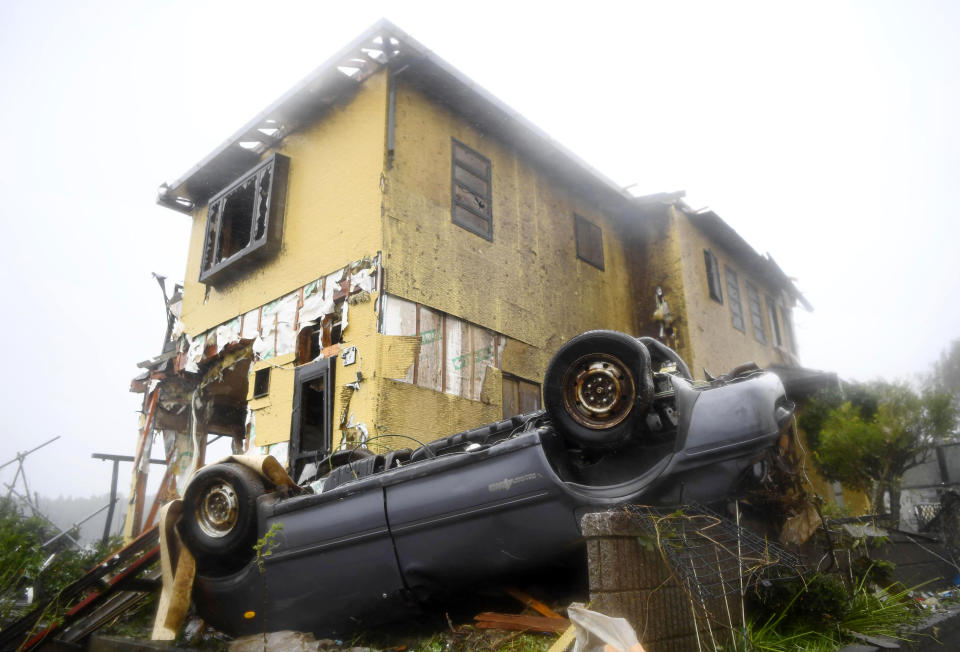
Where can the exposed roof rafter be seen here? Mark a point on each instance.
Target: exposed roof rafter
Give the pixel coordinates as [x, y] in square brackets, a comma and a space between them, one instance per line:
[382, 45]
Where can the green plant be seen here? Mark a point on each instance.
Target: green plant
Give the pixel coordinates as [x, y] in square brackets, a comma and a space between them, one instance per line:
[25, 563]
[870, 449]
[766, 638]
[883, 612]
[870, 571]
[796, 604]
[785, 625]
[831, 509]
[266, 544]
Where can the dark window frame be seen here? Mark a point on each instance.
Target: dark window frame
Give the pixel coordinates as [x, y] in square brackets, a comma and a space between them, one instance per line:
[269, 178]
[591, 228]
[714, 282]
[303, 375]
[756, 313]
[485, 176]
[261, 382]
[733, 298]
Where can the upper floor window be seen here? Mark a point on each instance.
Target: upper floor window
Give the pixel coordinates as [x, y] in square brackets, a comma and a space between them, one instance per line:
[774, 322]
[245, 220]
[589, 241]
[788, 330]
[713, 276]
[756, 313]
[733, 295]
[471, 191]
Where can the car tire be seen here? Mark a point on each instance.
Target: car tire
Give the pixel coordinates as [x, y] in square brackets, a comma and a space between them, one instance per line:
[597, 388]
[219, 523]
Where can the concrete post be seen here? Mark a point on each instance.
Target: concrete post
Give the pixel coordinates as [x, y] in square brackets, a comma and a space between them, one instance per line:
[629, 579]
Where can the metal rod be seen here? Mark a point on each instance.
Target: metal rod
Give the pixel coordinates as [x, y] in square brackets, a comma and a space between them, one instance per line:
[122, 458]
[75, 525]
[20, 456]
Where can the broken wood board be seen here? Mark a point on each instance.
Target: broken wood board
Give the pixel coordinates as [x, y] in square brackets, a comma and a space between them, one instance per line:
[490, 620]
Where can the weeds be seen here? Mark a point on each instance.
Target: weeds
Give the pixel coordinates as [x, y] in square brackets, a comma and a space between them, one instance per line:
[471, 639]
[265, 544]
[871, 612]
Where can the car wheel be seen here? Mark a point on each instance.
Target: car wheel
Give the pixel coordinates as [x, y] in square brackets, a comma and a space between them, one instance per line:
[597, 388]
[219, 523]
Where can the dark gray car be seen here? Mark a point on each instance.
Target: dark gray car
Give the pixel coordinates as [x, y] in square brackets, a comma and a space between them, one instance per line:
[623, 423]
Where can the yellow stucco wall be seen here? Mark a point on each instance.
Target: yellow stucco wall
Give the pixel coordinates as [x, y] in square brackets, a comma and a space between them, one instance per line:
[714, 342]
[425, 414]
[332, 213]
[527, 283]
[272, 412]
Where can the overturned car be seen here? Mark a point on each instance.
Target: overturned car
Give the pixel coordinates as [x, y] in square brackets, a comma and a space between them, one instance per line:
[385, 533]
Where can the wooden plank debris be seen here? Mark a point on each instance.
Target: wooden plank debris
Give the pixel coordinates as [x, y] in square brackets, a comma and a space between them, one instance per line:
[532, 602]
[490, 620]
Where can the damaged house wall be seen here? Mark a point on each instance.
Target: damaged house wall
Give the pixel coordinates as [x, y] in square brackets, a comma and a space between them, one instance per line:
[526, 281]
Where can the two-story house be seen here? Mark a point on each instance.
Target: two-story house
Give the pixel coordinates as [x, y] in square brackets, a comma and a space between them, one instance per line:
[388, 254]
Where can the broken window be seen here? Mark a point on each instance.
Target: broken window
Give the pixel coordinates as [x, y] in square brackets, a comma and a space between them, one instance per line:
[244, 221]
[519, 396]
[756, 314]
[774, 322]
[311, 340]
[589, 241]
[788, 330]
[733, 294]
[471, 192]
[310, 438]
[713, 276]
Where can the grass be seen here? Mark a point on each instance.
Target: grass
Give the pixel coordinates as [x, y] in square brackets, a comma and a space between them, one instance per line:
[881, 612]
[469, 639]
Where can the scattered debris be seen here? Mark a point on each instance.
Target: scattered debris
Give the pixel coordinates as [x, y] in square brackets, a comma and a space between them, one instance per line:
[597, 632]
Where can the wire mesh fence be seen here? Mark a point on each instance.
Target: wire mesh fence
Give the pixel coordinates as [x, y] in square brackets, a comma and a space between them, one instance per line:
[926, 513]
[715, 561]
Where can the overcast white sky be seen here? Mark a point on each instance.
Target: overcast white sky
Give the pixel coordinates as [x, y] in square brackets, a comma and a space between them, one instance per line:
[826, 133]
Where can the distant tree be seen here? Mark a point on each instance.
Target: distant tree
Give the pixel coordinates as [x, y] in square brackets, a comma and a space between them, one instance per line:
[871, 448]
[945, 376]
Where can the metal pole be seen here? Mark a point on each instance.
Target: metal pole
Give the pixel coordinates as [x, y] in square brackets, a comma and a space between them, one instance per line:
[113, 502]
[26, 491]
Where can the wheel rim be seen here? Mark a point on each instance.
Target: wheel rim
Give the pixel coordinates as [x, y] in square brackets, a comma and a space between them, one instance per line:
[218, 510]
[598, 391]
